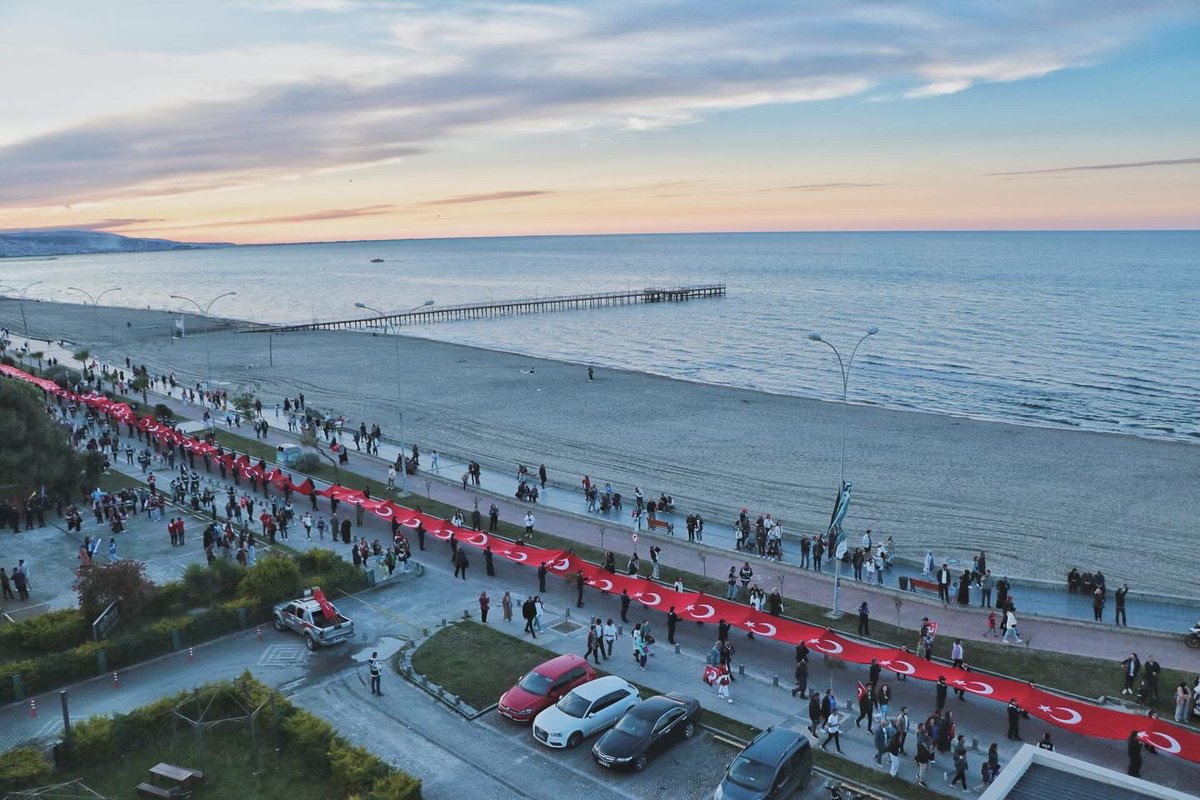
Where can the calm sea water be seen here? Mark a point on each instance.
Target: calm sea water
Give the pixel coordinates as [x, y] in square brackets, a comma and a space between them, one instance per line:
[1097, 331]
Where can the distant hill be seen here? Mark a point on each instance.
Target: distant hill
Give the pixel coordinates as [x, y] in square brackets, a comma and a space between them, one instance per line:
[72, 242]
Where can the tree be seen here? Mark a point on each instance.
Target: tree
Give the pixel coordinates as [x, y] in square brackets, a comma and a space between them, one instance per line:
[81, 355]
[141, 383]
[36, 453]
[125, 582]
[39, 355]
[244, 402]
[273, 578]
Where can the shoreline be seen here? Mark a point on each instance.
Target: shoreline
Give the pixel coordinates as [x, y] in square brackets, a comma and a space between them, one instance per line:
[1037, 499]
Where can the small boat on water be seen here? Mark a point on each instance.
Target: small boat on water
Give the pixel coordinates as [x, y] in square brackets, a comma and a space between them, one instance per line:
[376, 260]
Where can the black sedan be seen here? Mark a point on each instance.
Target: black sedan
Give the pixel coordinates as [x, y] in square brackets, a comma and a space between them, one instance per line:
[650, 725]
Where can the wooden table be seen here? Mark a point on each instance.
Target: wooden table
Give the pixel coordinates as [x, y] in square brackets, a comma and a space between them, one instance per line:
[180, 775]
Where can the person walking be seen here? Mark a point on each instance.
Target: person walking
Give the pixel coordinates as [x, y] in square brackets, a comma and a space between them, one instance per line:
[594, 642]
[489, 561]
[506, 607]
[579, 581]
[610, 637]
[625, 601]
[864, 619]
[814, 712]
[833, 731]
[940, 689]
[6, 585]
[541, 576]
[639, 647]
[866, 708]
[528, 612]
[485, 603]
[1010, 626]
[924, 754]
[460, 563]
[20, 579]
[723, 681]
[801, 676]
[1133, 746]
[376, 673]
[960, 763]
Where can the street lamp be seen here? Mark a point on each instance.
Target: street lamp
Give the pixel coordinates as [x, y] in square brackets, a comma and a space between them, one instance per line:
[844, 366]
[204, 310]
[399, 397]
[95, 301]
[22, 296]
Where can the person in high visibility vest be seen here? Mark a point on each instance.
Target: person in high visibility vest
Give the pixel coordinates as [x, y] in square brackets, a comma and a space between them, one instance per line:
[376, 673]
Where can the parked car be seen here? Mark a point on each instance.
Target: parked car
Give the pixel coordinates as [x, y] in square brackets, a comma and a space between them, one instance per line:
[314, 618]
[587, 709]
[543, 685]
[775, 764]
[648, 726]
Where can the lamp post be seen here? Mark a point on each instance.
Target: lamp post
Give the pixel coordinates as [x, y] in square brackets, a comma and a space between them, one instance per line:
[22, 295]
[204, 310]
[95, 301]
[399, 388]
[844, 366]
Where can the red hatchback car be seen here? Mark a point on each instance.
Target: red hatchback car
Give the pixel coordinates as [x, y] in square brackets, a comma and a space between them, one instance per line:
[543, 686]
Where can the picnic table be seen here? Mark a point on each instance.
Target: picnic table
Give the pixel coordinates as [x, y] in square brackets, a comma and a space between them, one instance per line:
[180, 775]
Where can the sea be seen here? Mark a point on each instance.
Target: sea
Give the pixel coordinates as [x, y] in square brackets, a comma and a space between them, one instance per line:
[1096, 331]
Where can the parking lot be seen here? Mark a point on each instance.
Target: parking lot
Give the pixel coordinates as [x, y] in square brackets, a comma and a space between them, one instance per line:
[689, 770]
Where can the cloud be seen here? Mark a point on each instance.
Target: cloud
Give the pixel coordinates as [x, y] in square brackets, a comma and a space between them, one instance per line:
[1167, 162]
[821, 187]
[425, 76]
[95, 225]
[489, 197]
[313, 216]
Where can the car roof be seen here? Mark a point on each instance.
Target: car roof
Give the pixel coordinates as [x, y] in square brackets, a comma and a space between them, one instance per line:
[594, 690]
[655, 706]
[557, 666]
[771, 746]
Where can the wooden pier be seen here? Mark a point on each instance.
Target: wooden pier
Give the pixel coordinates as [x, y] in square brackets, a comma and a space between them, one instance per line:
[507, 308]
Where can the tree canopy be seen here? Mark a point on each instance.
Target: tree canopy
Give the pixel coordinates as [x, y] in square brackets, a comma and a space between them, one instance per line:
[36, 452]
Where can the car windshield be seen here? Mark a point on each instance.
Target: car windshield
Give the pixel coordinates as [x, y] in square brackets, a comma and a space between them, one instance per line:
[751, 774]
[634, 725]
[573, 705]
[535, 683]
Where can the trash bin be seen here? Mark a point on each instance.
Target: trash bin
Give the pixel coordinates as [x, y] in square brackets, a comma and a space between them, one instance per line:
[904, 583]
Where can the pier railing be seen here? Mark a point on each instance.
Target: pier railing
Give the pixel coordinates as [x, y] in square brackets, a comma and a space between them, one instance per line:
[504, 308]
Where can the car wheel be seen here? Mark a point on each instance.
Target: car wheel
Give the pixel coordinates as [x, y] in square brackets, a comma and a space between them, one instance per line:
[279, 626]
[689, 730]
[311, 642]
[574, 739]
[639, 763]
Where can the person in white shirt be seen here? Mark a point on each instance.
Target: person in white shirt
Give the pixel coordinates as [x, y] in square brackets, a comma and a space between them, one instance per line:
[391, 477]
[529, 520]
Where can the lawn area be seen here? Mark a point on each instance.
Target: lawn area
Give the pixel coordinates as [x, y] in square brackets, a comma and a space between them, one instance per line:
[227, 762]
[454, 658]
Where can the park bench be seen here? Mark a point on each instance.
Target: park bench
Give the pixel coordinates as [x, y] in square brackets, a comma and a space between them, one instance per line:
[150, 790]
[927, 586]
[661, 525]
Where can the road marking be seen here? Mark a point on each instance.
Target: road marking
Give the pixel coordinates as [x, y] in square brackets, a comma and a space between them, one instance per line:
[283, 655]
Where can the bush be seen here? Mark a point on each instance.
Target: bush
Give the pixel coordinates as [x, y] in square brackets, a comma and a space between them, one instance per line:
[93, 741]
[170, 597]
[273, 578]
[308, 462]
[163, 411]
[310, 736]
[53, 631]
[22, 767]
[396, 786]
[201, 584]
[353, 768]
[123, 581]
[64, 376]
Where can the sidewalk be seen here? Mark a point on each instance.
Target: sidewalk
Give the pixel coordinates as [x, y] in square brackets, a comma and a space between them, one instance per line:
[1074, 635]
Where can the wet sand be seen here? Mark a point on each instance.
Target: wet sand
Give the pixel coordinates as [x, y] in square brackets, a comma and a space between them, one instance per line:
[1037, 500]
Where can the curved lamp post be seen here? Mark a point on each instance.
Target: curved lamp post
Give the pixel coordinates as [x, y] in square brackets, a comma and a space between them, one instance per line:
[95, 301]
[844, 366]
[204, 312]
[22, 296]
[399, 384]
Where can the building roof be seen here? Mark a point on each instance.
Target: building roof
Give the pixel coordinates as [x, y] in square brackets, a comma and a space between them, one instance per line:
[1035, 774]
[1041, 782]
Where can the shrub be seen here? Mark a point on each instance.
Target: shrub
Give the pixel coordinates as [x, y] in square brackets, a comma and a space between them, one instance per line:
[93, 741]
[310, 736]
[123, 581]
[21, 767]
[396, 786]
[53, 631]
[201, 584]
[64, 376]
[170, 597]
[308, 462]
[273, 578]
[354, 768]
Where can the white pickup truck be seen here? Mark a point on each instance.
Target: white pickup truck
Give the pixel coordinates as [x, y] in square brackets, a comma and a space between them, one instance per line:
[314, 618]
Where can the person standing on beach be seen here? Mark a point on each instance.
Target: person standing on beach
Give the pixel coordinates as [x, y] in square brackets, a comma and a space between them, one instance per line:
[943, 581]
[542, 475]
[986, 583]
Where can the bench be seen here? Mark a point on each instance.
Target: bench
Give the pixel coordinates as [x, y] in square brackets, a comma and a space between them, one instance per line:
[150, 790]
[917, 583]
[661, 525]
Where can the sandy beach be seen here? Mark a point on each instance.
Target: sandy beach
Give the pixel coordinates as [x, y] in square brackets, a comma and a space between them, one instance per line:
[1037, 500]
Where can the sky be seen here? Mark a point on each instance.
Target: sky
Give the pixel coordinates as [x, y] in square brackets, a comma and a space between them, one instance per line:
[257, 121]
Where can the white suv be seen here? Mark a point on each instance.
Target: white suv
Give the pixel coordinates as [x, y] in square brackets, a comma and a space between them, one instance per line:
[588, 709]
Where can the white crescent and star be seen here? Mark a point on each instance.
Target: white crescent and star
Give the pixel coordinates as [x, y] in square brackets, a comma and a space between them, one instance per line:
[1156, 739]
[908, 670]
[517, 556]
[1073, 716]
[833, 649]
[603, 584]
[711, 611]
[561, 564]
[975, 687]
[478, 539]
[762, 628]
[641, 596]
